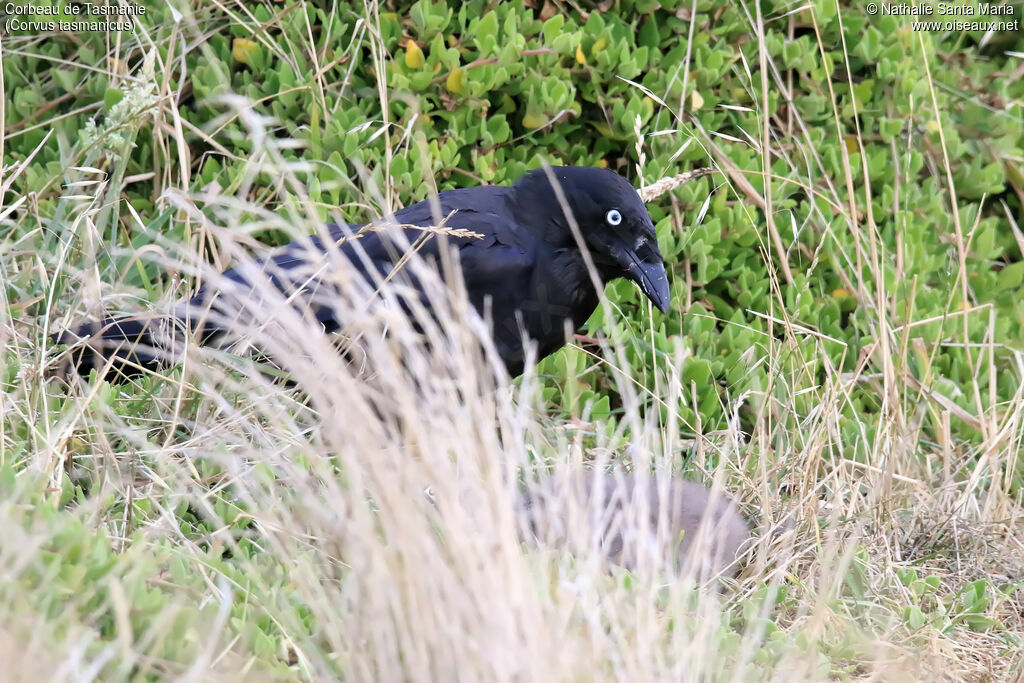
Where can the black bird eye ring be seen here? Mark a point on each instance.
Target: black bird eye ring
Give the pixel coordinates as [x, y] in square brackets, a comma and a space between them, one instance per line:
[613, 217]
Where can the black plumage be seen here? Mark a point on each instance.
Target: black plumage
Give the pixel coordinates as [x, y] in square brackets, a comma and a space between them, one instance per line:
[522, 267]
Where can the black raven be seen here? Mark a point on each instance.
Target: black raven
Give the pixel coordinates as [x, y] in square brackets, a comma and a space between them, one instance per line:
[522, 266]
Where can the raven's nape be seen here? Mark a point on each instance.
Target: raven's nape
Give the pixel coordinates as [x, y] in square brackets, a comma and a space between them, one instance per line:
[121, 348]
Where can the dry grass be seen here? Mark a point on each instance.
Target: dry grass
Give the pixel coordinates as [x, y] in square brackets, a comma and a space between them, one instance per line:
[370, 514]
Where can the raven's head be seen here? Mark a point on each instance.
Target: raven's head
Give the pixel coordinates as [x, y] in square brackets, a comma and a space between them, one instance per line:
[613, 221]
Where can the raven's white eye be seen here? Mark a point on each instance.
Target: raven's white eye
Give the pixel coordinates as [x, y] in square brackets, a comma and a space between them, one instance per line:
[613, 217]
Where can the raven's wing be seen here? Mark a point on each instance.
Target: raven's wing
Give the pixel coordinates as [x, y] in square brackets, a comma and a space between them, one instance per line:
[483, 211]
[496, 260]
[498, 263]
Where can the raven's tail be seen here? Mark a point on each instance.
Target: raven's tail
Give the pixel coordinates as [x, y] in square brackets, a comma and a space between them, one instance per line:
[124, 347]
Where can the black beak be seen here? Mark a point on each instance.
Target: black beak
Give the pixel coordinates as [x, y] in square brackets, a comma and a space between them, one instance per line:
[645, 267]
